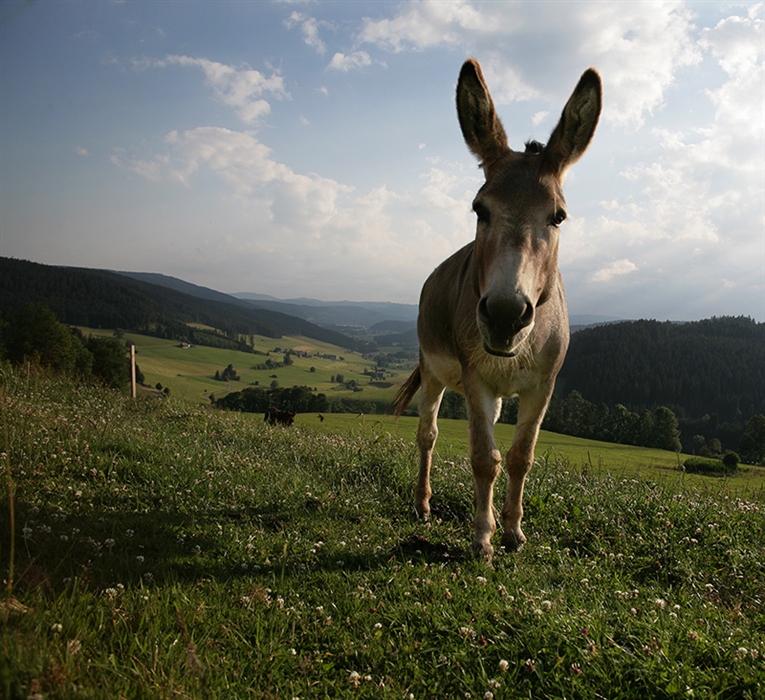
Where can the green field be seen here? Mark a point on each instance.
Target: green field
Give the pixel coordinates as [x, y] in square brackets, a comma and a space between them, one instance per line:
[190, 372]
[158, 548]
[577, 453]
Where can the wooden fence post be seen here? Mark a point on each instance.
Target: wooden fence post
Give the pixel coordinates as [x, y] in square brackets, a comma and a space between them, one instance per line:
[132, 370]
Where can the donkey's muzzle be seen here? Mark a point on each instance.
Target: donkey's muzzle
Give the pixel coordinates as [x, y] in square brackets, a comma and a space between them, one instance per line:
[502, 320]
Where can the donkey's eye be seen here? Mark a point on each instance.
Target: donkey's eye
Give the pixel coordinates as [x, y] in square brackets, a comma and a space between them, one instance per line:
[481, 212]
[558, 218]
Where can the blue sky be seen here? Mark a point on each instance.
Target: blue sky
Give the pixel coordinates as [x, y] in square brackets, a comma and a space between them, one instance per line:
[312, 148]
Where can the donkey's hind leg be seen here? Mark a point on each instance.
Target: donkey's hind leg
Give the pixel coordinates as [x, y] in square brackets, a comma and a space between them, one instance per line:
[431, 393]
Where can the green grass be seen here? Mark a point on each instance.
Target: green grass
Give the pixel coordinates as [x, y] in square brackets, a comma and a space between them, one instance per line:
[590, 455]
[190, 372]
[167, 550]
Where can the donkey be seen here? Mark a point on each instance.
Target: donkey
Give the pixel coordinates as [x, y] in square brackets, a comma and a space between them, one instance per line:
[492, 320]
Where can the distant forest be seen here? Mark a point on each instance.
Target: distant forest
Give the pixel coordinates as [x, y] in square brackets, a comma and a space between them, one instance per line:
[710, 373]
[104, 299]
[715, 366]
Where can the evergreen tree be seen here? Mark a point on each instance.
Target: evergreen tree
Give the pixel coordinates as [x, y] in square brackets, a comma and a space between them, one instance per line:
[110, 364]
[666, 432]
[752, 445]
[453, 405]
[36, 335]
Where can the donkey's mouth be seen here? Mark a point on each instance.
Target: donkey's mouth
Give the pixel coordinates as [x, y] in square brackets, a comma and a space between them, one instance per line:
[504, 344]
[499, 353]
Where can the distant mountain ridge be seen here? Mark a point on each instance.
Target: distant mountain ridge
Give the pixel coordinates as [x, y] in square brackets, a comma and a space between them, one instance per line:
[336, 314]
[180, 285]
[376, 316]
[107, 299]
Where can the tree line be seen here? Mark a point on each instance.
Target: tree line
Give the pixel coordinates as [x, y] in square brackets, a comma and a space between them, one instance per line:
[710, 374]
[300, 399]
[576, 416]
[35, 336]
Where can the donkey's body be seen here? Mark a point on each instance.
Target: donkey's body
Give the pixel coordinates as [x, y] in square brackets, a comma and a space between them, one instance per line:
[493, 319]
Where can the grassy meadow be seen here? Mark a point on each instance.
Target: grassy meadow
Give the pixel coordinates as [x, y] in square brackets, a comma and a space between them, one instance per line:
[156, 548]
[591, 456]
[190, 372]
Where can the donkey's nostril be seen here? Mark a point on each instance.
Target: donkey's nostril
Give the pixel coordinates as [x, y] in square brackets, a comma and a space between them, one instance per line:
[528, 314]
[483, 309]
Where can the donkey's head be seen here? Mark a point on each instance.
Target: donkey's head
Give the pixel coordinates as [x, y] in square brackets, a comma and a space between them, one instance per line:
[520, 206]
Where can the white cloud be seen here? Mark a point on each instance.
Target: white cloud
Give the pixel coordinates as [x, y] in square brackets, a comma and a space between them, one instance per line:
[638, 47]
[309, 28]
[424, 24]
[507, 83]
[337, 232]
[618, 267]
[671, 204]
[692, 217]
[240, 88]
[738, 45]
[81, 151]
[706, 181]
[346, 62]
[447, 195]
[527, 51]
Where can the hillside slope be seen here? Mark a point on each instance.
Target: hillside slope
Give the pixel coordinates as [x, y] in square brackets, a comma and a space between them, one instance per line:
[104, 299]
[714, 367]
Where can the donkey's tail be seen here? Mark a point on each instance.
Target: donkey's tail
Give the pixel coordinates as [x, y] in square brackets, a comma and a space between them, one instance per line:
[406, 393]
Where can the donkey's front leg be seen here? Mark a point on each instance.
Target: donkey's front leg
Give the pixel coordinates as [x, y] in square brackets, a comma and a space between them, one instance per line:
[520, 457]
[486, 461]
[431, 393]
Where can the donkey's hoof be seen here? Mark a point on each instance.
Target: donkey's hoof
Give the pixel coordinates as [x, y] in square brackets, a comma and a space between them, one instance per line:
[483, 551]
[422, 513]
[512, 542]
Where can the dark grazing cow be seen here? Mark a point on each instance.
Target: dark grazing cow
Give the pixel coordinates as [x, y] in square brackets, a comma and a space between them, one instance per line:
[275, 416]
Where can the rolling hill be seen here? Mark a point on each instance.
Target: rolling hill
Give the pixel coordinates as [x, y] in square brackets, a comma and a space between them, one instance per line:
[106, 299]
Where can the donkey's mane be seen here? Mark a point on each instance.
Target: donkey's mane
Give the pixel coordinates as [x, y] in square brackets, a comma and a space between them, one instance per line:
[534, 147]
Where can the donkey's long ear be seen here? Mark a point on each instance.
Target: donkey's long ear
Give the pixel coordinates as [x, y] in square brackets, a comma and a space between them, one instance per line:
[481, 128]
[577, 124]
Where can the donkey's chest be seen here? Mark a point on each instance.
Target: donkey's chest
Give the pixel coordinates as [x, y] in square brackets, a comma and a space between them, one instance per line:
[501, 376]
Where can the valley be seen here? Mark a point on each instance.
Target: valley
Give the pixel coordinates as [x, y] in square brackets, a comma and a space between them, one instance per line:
[189, 371]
